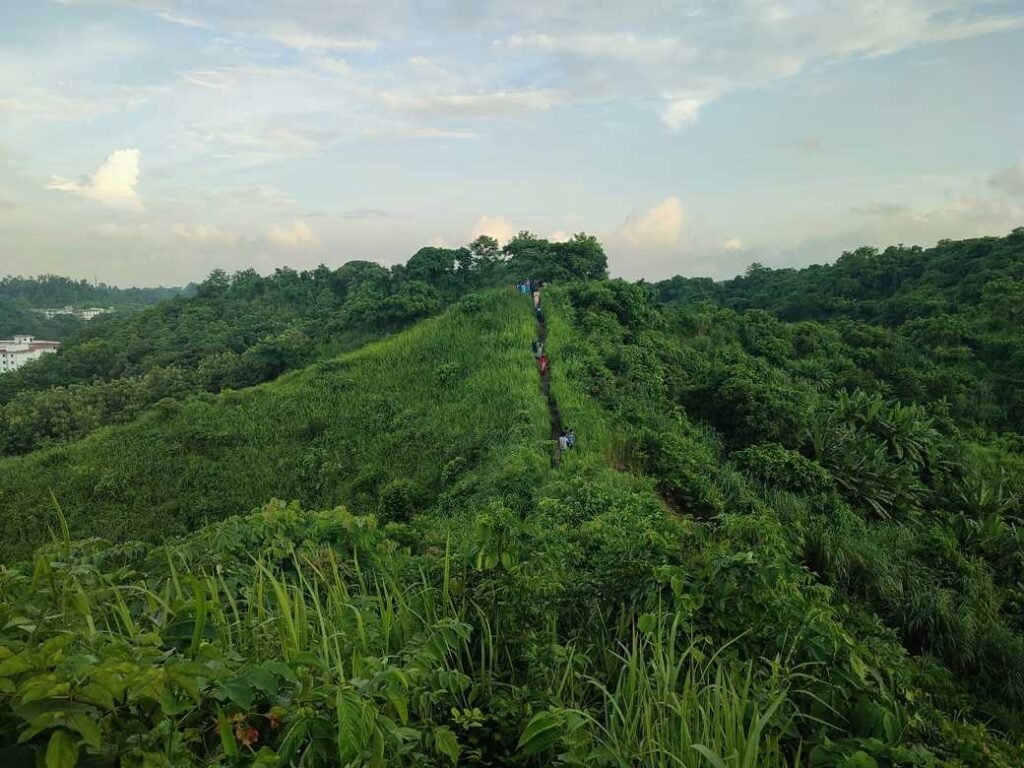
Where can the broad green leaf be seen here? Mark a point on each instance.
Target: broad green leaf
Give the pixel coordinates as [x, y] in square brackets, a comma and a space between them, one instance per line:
[447, 744]
[262, 679]
[62, 751]
[543, 731]
[239, 691]
[87, 728]
[40, 723]
[97, 694]
[14, 666]
[282, 670]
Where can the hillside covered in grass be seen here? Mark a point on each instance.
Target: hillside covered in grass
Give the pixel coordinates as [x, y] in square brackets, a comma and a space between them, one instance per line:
[383, 429]
[777, 542]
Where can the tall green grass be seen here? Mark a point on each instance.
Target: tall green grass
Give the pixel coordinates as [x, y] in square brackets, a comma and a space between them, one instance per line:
[425, 408]
[665, 700]
[597, 440]
[308, 635]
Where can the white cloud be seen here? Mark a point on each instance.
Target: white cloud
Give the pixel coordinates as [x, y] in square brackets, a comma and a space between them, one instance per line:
[880, 209]
[212, 80]
[973, 214]
[733, 244]
[113, 183]
[262, 197]
[497, 227]
[112, 229]
[559, 236]
[254, 141]
[418, 132]
[202, 234]
[622, 46]
[308, 41]
[298, 235]
[37, 104]
[680, 112]
[485, 104]
[365, 214]
[184, 21]
[1010, 180]
[659, 227]
[699, 57]
[329, 64]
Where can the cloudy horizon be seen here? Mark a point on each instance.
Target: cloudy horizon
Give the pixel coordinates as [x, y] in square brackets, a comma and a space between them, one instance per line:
[150, 142]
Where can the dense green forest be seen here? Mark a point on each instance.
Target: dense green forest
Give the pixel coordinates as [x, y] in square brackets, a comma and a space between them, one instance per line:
[20, 295]
[789, 534]
[957, 310]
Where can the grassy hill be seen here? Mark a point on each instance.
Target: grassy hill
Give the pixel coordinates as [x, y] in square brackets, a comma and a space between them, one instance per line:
[383, 429]
[767, 549]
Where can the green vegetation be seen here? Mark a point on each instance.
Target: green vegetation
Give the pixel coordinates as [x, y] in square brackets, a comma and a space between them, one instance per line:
[778, 543]
[20, 295]
[353, 430]
[955, 309]
[244, 329]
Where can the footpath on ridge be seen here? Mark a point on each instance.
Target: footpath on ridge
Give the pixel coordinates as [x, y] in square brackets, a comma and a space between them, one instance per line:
[545, 388]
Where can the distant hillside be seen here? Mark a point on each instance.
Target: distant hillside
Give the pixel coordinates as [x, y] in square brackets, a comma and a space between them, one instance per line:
[957, 311]
[20, 295]
[57, 291]
[890, 287]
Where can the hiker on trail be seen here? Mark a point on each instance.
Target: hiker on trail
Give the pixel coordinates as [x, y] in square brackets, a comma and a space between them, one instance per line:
[538, 348]
[563, 442]
[570, 438]
[540, 315]
[542, 362]
[536, 298]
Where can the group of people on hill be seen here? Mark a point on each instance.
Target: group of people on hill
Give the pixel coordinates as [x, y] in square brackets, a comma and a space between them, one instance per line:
[566, 437]
[532, 288]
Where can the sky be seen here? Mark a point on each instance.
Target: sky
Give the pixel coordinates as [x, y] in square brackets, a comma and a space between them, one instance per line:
[147, 142]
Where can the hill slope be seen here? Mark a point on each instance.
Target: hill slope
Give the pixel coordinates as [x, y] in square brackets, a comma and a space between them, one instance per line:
[390, 424]
[761, 552]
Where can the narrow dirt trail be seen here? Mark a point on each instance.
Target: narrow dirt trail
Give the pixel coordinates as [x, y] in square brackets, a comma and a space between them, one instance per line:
[545, 388]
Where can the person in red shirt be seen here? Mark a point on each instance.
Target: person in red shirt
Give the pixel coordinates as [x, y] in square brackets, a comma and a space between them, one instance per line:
[543, 362]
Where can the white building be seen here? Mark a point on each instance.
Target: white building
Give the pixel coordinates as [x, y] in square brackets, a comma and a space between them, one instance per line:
[85, 313]
[15, 352]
